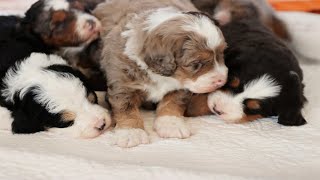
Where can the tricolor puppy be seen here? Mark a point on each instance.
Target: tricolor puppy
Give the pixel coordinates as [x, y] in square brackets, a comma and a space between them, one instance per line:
[264, 76]
[43, 92]
[157, 51]
[86, 57]
[47, 26]
[266, 13]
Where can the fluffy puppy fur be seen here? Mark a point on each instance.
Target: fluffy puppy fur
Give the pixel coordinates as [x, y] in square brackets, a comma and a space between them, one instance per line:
[266, 13]
[42, 92]
[264, 76]
[157, 51]
[86, 58]
[30, 83]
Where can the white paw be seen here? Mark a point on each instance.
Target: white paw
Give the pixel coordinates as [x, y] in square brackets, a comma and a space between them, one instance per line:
[127, 138]
[171, 127]
[226, 106]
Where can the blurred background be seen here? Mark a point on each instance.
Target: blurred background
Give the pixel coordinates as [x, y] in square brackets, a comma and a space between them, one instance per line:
[281, 5]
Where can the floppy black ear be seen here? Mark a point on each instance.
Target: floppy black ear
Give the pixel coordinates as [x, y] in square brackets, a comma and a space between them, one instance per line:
[162, 64]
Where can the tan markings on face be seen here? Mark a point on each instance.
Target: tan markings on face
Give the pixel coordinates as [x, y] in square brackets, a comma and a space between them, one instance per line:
[63, 30]
[253, 104]
[58, 16]
[68, 116]
[235, 82]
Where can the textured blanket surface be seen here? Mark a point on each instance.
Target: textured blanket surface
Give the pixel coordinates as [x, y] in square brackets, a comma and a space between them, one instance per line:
[259, 150]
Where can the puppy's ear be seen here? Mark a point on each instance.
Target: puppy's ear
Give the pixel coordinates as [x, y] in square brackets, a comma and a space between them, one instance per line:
[160, 54]
[161, 64]
[223, 17]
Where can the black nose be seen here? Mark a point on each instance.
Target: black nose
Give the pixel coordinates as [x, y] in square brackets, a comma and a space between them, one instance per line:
[101, 127]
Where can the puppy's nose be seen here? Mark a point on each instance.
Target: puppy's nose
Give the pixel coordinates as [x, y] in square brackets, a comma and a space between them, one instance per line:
[100, 125]
[220, 81]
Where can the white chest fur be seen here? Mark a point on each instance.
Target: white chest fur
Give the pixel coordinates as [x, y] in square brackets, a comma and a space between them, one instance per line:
[160, 86]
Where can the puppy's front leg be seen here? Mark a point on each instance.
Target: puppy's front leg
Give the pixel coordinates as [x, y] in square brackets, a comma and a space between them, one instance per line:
[129, 130]
[170, 121]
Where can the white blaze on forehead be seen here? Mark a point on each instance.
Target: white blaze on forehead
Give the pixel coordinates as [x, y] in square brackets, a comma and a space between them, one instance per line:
[56, 5]
[82, 19]
[203, 26]
[160, 16]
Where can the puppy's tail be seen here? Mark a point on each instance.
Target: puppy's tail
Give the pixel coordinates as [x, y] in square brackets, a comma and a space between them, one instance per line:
[260, 88]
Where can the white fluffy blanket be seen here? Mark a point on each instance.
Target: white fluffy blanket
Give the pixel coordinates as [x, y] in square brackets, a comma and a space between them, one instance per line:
[259, 150]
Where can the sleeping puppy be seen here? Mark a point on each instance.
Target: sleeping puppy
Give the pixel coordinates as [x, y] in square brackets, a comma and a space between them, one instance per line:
[264, 76]
[86, 57]
[44, 93]
[157, 51]
[47, 26]
[41, 90]
[266, 13]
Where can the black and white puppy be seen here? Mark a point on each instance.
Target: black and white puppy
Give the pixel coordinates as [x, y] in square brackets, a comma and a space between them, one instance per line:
[264, 76]
[42, 92]
[40, 89]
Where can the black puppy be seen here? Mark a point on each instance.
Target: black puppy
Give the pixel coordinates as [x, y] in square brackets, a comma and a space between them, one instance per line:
[264, 76]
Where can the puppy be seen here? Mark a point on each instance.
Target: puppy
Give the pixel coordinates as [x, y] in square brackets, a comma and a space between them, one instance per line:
[42, 92]
[266, 13]
[30, 82]
[48, 25]
[264, 76]
[86, 58]
[157, 51]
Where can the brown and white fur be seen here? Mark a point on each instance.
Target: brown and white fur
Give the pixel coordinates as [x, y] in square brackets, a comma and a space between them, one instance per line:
[157, 51]
[266, 13]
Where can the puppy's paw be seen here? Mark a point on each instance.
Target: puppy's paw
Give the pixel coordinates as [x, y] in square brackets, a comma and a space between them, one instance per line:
[171, 127]
[127, 138]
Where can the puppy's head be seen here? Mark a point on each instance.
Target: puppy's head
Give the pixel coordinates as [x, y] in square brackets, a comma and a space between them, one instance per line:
[189, 48]
[62, 22]
[228, 10]
[89, 120]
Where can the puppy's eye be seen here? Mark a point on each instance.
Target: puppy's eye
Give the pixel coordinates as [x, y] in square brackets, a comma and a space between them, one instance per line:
[196, 65]
[59, 27]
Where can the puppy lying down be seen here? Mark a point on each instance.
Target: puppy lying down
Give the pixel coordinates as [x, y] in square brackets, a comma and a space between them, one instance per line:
[266, 13]
[43, 92]
[157, 51]
[264, 76]
[40, 91]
